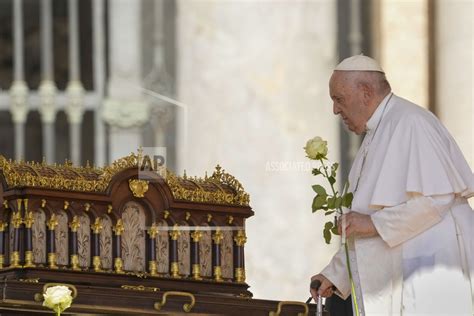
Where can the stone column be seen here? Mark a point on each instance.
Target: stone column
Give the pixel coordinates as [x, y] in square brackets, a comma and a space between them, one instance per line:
[47, 89]
[125, 110]
[454, 71]
[19, 89]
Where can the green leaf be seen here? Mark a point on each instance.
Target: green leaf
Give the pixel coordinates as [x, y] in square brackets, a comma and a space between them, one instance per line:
[319, 189]
[332, 180]
[331, 202]
[347, 200]
[334, 169]
[329, 212]
[327, 232]
[334, 230]
[318, 202]
[338, 202]
[316, 171]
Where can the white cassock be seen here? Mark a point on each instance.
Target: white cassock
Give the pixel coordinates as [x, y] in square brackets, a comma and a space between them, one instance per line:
[414, 183]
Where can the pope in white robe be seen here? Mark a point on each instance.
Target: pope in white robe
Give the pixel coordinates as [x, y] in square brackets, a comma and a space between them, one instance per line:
[410, 229]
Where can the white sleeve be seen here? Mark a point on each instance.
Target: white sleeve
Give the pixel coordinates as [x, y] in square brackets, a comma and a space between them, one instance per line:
[399, 223]
[336, 272]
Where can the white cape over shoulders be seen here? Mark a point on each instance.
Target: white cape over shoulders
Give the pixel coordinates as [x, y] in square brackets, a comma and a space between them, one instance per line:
[431, 273]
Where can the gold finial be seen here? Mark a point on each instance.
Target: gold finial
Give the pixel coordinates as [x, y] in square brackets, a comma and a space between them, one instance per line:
[240, 239]
[66, 205]
[188, 215]
[218, 237]
[205, 175]
[230, 219]
[88, 165]
[184, 175]
[53, 222]
[25, 203]
[75, 224]
[109, 208]
[209, 218]
[18, 204]
[153, 231]
[29, 220]
[5, 203]
[166, 214]
[43, 162]
[139, 156]
[43, 203]
[87, 207]
[97, 226]
[118, 229]
[218, 170]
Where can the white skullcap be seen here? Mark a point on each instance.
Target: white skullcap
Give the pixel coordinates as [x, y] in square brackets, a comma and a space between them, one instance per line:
[359, 63]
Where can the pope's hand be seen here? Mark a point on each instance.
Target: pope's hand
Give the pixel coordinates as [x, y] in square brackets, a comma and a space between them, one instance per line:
[325, 290]
[356, 224]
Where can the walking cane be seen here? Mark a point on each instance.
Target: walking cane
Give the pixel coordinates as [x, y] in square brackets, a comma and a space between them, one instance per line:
[319, 307]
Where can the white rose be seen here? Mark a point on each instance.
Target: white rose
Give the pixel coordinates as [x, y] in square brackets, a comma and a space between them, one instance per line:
[316, 148]
[57, 297]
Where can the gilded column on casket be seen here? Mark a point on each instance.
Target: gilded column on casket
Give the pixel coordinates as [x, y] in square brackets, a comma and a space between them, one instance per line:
[96, 230]
[16, 222]
[51, 245]
[216, 255]
[74, 256]
[195, 260]
[239, 270]
[152, 265]
[174, 265]
[117, 246]
[3, 226]
[28, 220]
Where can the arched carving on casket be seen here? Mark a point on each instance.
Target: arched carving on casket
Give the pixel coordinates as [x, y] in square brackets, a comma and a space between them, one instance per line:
[120, 193]
[83, 240]
[39, 236]
[184, 255]
[61, 238]
[133, 236]
[162, 247]
[106, 243]
[205, 251]
[227, 253]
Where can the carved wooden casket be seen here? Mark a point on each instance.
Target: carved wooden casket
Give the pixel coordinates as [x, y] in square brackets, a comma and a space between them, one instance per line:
[128, 239]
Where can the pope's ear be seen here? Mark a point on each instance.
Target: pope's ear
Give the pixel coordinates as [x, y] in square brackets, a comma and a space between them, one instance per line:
[366, 90]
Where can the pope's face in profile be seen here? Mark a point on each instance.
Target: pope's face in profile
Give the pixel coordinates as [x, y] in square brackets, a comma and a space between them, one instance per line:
[348, 101]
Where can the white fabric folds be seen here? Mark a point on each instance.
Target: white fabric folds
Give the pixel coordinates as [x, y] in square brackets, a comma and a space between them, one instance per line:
[414, 153]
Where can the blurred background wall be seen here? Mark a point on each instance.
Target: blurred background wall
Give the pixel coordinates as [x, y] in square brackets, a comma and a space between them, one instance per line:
[239, 83]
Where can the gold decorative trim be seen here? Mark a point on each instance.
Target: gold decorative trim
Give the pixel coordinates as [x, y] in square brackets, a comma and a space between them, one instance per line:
[29, 259]
[75, 263]
[138, 187]
[140, 288]
[29, 219]
[118, 265]
[240, 239]
[239, 275]
[15, 260]
[219, 188]
[29, 280]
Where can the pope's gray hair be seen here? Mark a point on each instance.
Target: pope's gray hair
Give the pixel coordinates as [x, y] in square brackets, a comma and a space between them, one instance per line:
[374, 80]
